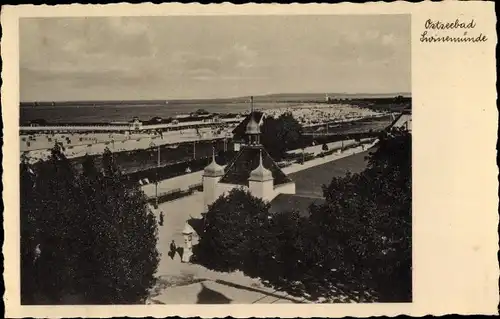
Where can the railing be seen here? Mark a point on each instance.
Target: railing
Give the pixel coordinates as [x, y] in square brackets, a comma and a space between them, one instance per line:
[177, 193]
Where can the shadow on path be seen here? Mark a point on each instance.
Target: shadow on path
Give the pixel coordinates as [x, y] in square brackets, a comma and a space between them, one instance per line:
[270, 294]
[209, 296]
[180, 252]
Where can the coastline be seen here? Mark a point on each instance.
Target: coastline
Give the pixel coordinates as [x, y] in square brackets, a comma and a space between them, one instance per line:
[109, 111]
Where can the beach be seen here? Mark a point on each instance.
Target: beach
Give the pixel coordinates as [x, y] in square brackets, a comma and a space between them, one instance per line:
[36, 143]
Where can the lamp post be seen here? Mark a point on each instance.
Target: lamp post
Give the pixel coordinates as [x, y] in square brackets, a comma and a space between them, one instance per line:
[303, 155]
[157, 175]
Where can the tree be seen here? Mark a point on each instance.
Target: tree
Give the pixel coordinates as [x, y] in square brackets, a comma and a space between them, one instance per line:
[291, 250]
[231, 224]
[399, 99]
[201, 112]
[369, 215]
[281, 134]
[96, 235]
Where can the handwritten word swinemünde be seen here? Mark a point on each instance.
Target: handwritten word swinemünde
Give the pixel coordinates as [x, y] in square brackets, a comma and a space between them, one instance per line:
[434, 29]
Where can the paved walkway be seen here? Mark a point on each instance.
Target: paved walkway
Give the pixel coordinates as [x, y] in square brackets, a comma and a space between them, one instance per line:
[181, 283]
[218, 292]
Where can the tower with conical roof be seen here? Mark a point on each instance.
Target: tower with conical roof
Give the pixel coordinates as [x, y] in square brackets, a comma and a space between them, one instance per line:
[253, 131]
[252, 169]
[261, 181]
[211, 176]
[253, 128]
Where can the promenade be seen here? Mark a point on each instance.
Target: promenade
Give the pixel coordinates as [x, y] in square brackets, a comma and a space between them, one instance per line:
[184, 182]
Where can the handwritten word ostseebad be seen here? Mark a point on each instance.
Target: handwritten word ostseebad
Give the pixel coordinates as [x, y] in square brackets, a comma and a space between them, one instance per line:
[438, 26]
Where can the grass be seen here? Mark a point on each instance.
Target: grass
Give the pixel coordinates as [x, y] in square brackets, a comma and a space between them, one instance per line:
[309, 181]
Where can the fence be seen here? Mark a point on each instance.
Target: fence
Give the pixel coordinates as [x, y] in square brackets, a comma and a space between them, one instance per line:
[310, 157]
[170, 171]
[176, 194]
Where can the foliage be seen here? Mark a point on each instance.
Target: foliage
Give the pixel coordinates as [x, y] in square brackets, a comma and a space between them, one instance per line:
[226, 243]
[281, 134]
[201, 112]
[370, 215]
[97, 238]
[358, 241]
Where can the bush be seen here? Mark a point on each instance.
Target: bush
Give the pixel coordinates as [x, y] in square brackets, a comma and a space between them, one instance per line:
[230, 226]
[96, 237]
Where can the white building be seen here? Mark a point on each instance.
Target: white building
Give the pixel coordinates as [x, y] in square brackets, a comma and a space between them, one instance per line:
[252, 169]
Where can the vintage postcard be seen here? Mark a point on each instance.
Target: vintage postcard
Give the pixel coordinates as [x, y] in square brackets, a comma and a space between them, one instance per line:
[273, 160]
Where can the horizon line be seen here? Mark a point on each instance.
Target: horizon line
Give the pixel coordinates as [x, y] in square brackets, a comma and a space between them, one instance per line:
[405, 94]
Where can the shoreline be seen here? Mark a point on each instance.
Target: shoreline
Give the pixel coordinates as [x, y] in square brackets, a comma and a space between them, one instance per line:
[107, 115]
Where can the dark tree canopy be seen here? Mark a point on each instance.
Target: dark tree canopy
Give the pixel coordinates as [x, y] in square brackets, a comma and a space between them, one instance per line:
[281, 135]
[96, 238]
[228, 227]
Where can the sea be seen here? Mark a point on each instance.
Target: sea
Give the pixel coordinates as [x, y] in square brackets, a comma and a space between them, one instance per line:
[124, 112]
[118, 111]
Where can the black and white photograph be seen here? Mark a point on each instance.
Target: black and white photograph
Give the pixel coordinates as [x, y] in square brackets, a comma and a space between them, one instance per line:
[215, 159]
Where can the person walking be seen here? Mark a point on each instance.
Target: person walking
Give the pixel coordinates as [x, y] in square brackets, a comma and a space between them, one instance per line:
[173, 249]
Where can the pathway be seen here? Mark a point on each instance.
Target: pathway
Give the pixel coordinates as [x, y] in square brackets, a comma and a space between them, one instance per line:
[181, 283]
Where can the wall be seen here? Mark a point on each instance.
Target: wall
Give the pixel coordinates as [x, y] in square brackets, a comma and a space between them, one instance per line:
[182, 182]
[223, 189]
[288, 188]
[263, 190]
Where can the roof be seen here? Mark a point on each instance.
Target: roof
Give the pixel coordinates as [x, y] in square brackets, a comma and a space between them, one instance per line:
[239, 131]
[239, 169]
[261, 173]
[289, 203]
[213, 169]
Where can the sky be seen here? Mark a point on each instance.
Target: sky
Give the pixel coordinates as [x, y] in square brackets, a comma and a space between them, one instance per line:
[189, 57]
